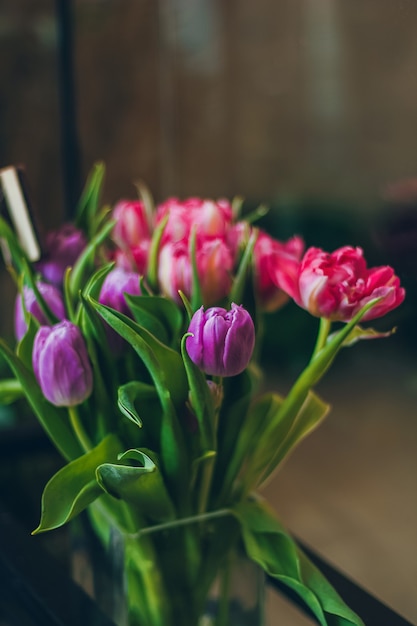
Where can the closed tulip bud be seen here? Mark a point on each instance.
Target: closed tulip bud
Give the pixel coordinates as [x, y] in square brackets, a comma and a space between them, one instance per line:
[116, 284]
[214, 265]
[63, 247]
[53, 300]
[61, 365]
[132, 225]
[221, 342]
[210, 218]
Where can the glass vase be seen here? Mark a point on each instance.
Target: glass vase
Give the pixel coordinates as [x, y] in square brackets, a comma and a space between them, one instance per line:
[190, 575]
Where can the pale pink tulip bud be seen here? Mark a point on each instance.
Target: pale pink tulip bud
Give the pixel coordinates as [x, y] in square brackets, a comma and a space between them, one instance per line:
[174, 270]
[134, 259]
[132, 225]
[210, 218]
[214, 266]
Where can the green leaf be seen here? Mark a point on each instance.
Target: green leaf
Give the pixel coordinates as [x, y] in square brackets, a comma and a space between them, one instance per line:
[196, 291]
[311, 414]
[17, 254]
[30, 280]
[74, 486]
[88, 204]
[311, 375]
[248, 450]
[10, 390]
[162, 363]
[359, 333]
[53, 419]
[141, 485]
[147, 320]
[160, 360]
[85, 261]
[153, 256]
[24, 348]
[146, 196]
[127, 396]
[187, 304]
[236, 293]
[157, 311]
[268, 543]
[279, 434]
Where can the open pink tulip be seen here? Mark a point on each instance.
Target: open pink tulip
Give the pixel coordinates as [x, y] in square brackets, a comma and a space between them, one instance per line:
[276, 269]
[221, 342]
[337, 285]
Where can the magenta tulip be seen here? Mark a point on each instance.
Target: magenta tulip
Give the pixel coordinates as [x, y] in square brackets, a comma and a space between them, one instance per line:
[221, 342]
[61, 365]
[338, 285]
[63, 247]
[53, 300]
[276, 266]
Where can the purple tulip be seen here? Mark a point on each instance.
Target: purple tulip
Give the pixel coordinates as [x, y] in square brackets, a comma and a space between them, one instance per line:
[63, 247]
[61, 365]
[53, 299]
[222, 341]
[116, 284]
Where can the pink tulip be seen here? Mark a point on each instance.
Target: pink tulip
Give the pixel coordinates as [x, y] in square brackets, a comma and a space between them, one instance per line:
[132, 225]
[174, 270]
[337, 285]
[210, 218]
[214, 266]
[134, 259]
[276, 269]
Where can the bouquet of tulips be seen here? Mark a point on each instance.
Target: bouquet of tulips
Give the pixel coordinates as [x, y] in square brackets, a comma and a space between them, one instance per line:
[137, 334]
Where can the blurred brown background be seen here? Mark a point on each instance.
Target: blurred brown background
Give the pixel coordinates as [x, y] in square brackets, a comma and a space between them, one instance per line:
[308, 105]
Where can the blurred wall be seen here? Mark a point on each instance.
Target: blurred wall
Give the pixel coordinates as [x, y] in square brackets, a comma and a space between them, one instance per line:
[315, 98]
[312, 101]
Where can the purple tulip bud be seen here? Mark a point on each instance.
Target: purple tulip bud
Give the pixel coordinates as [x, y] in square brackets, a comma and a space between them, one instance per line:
[63, 247]
[222, 341]
[116, 284]
[61, 365]
[53, 299]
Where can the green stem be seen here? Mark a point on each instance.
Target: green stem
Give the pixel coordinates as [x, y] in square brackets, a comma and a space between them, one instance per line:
[222, 617]
[78, 428]
[208, 466]
[324, 329]
[193, 519]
